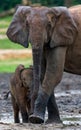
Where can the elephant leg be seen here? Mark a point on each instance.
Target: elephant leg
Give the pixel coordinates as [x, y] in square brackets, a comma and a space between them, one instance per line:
[53, 74]
[29, 107]
[15, 109]
[41, 96]
[24, 114]
[54, 69]
[39, 108]
[53, 113]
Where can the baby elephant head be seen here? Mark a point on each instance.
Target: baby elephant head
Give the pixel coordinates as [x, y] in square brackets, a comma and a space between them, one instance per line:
[26, 77]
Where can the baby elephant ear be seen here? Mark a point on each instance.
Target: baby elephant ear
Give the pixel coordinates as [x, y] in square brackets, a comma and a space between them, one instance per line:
[18, 29]
[65, 28]
[18, 74]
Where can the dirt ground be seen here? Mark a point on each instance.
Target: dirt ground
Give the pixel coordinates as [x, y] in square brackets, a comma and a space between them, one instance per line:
[68, 97]
[9, 53]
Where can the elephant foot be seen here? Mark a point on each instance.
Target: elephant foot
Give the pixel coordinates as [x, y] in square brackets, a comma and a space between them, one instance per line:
[53, 120]
[36, 119]
[39, 109]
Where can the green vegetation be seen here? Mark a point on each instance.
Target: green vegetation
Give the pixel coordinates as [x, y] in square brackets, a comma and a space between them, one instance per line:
[7, 44]
[11, 64]
[7, 4]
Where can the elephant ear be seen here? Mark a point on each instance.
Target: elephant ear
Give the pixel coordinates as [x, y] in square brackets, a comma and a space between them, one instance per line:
[65, 28]
[17, 74]
[18, 30]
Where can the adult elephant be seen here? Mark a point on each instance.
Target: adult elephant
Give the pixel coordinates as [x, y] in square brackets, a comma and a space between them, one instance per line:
[55, 36]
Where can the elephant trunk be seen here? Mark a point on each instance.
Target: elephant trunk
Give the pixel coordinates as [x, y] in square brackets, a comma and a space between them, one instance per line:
[36, 73]
[37, 68]
[36, 39]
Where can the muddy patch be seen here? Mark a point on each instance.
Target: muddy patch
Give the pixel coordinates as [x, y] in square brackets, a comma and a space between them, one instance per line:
[68, 97]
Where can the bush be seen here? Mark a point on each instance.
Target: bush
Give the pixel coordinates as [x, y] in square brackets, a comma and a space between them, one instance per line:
[8, 4]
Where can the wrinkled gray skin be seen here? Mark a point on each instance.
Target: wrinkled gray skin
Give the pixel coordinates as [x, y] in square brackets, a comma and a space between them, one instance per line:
[55, 36]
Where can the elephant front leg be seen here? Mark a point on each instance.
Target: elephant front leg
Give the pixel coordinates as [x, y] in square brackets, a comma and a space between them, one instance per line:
[53, 113]
[53, 74]
[39, 108]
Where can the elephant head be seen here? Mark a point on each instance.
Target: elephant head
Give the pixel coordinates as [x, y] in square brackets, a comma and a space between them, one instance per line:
[42, 26]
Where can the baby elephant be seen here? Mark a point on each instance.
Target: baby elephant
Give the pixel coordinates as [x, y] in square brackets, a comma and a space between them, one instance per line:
[21, 89]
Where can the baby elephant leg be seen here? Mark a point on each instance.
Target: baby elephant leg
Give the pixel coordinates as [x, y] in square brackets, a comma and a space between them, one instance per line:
[15, 109]
[53, 113]
[24, 114]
